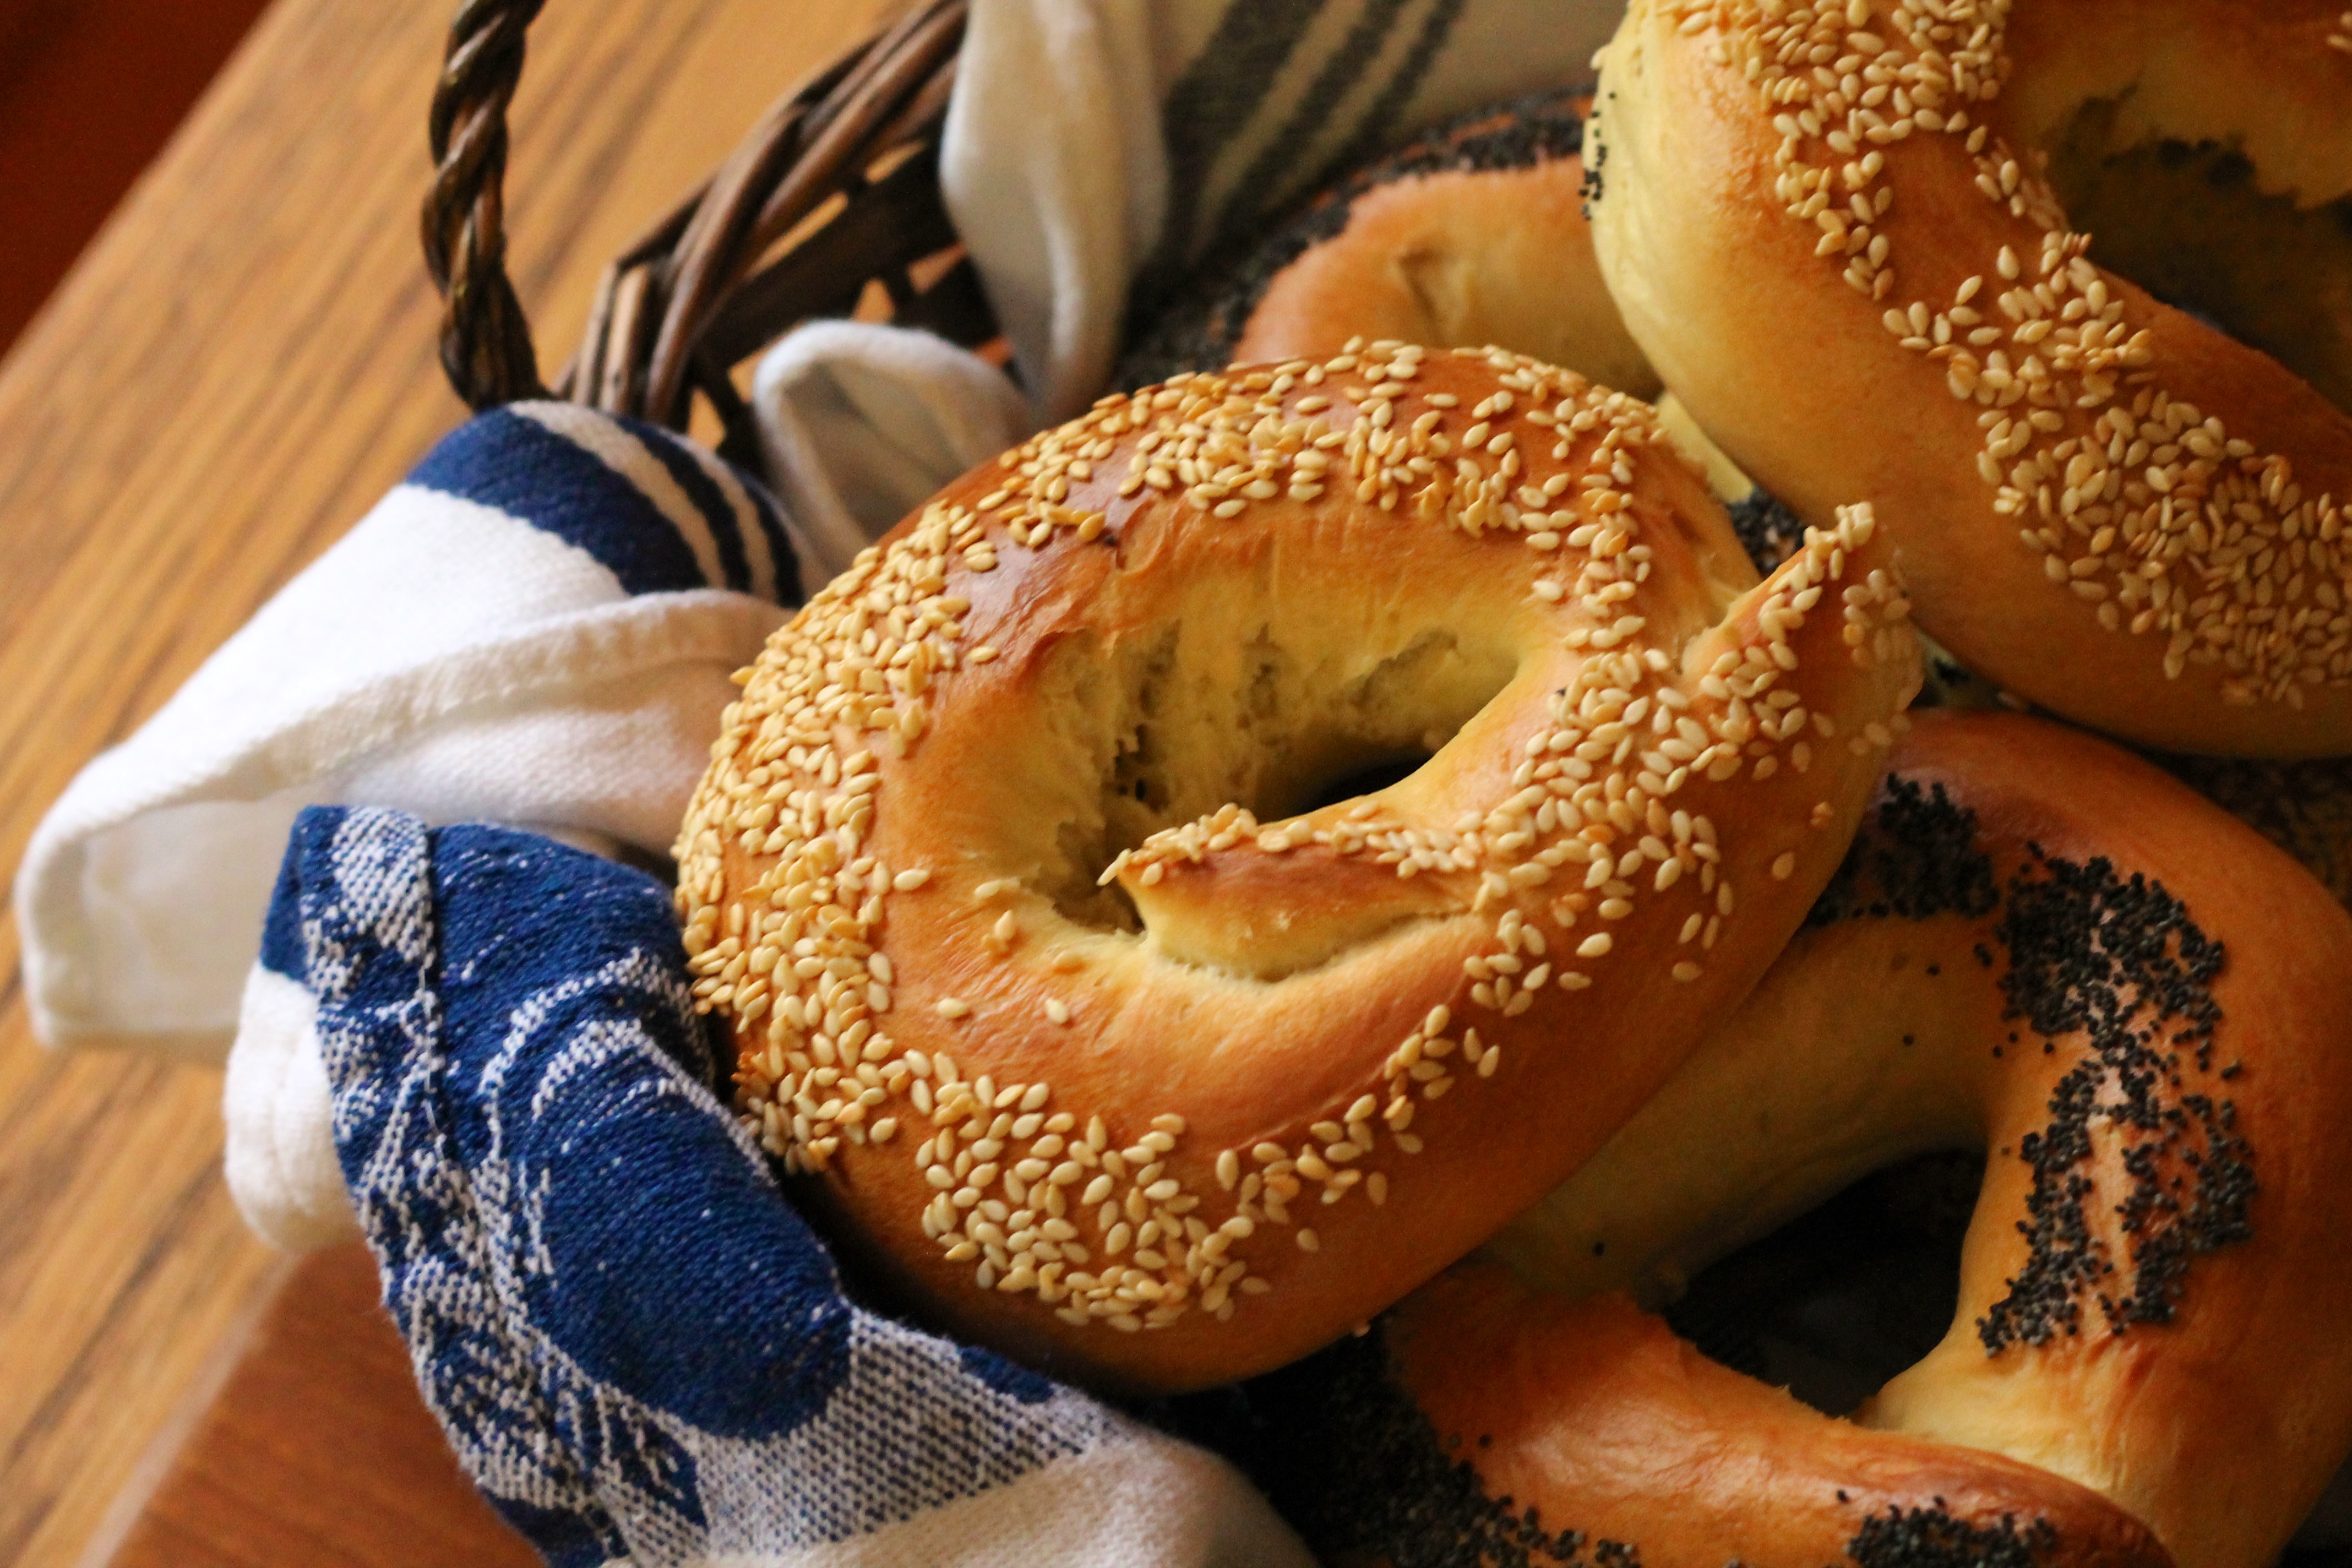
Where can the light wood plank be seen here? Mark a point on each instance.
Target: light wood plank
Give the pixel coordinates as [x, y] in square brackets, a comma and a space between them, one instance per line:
[317, 1450]
[242, 361]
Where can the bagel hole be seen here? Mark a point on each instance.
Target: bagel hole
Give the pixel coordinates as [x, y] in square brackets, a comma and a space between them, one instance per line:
[1191, 719]
[1369, 778]
[1845, 1296]
[2190, 222]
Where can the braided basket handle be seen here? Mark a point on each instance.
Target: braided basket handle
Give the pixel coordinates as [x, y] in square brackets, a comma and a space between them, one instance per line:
[486, 344]
[706, 286]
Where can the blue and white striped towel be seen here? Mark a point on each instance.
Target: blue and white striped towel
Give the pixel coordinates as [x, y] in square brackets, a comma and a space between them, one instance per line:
[1078, 208]
[537, 627]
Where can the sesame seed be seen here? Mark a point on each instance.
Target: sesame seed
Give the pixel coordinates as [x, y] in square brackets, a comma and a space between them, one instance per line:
[884, 649]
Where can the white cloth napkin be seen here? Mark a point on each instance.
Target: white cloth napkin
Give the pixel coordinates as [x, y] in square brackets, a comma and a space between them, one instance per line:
[860, 423]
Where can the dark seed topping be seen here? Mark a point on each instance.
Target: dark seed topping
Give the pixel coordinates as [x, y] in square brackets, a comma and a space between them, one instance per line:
[2120, 965]
[1767, 528]
[1352, 1463]
[1932, 1538]
[1350, 1459]
[1915, 858]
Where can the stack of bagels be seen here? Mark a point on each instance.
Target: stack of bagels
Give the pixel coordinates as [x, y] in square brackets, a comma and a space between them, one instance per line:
[1395, 843]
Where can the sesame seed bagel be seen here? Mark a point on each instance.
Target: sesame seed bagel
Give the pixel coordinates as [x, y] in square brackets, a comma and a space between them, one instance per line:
[1086, 1026]
[2042, 948]
[1473, 233]
[2100, 502]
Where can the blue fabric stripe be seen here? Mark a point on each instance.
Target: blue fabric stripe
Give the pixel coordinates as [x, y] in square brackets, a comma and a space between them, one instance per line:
[780, 543]
[282, 949]
[512, 465]
[700, 488]
[363, 881]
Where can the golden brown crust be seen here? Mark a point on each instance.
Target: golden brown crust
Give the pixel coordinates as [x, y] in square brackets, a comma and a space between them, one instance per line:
[2105, 505]
[1492, 255]
[1179, 1121]
[1473, 234]
[1594, 1412]
[2167, 1334]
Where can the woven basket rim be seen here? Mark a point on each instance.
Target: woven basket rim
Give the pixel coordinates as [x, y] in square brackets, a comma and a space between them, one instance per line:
[834, 189]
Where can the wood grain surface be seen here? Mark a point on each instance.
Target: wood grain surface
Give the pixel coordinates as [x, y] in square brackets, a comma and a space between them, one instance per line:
[315, 1449]
[239, 364]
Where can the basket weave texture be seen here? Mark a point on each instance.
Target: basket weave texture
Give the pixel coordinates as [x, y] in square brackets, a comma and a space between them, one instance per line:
[834, 189]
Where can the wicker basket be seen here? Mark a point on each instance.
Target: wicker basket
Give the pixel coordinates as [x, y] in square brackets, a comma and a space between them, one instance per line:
[835, 189]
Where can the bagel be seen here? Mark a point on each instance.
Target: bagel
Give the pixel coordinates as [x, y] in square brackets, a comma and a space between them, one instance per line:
[1473, 233]
[1069, 1016]
[2100, 502]
[1484, 1422]
[2042, 948]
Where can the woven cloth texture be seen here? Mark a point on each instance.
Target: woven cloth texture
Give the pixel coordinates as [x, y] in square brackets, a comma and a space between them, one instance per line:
[637, 1349]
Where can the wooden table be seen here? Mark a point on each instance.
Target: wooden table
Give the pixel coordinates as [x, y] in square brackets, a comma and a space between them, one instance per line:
[240, 364]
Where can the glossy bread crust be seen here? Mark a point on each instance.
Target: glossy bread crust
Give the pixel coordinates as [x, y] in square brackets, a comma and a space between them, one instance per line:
[1097, 1063]
[1850, 270]
[2045, 949]
[1473, 233]
[1598, 1419]
[1462, 257]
